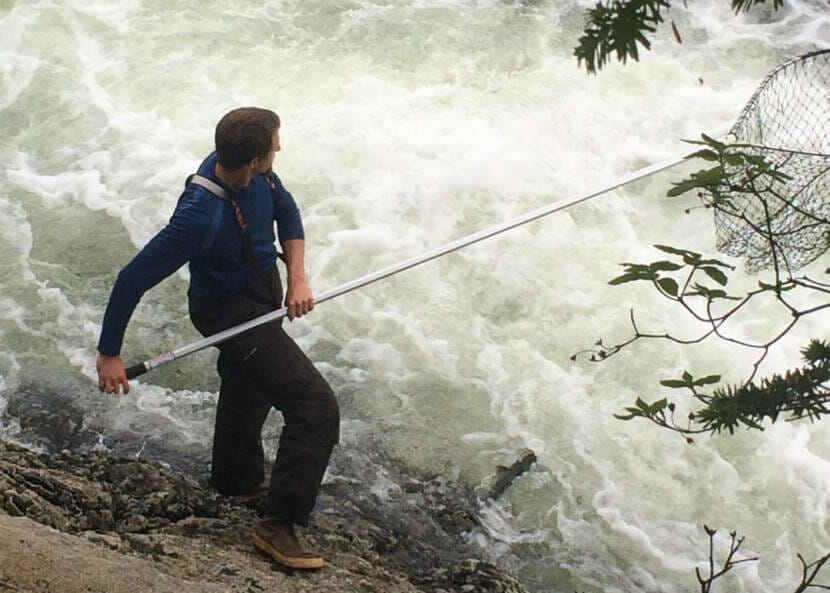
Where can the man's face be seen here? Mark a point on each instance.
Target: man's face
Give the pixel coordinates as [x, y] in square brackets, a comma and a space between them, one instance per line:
[264, 164]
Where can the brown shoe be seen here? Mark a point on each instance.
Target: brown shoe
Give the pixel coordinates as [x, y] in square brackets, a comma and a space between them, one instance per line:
[278, 539]
[258, 491]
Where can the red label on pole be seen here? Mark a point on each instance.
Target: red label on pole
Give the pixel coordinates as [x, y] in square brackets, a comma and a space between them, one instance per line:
[161, 359]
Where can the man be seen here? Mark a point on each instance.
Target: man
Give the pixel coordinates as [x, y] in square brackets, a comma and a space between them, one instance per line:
[223, 226]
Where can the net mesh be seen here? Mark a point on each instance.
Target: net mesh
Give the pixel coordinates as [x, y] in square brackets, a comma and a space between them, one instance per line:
[767, 219]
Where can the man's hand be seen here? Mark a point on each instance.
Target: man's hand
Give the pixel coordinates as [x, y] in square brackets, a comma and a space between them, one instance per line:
[111, 374]
[298, 299]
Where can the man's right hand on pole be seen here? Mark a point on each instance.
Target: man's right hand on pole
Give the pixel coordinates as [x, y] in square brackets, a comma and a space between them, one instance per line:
[111, 374]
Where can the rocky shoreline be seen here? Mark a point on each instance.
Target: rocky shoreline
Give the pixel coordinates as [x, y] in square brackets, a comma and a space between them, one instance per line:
[91, 521]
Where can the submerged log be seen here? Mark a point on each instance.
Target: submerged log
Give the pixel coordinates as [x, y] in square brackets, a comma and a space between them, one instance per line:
[506, 475]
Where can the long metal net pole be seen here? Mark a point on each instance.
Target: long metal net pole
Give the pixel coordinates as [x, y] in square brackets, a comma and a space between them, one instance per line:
[218, 338]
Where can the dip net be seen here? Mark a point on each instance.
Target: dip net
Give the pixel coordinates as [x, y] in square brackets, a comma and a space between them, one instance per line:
[771, 219]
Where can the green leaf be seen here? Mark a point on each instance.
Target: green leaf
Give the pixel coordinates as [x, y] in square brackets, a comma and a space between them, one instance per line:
[707, 380]
[634, 412]
[699, 291]
[681, 187]
[634, 272]
[690, 258]
[674, 383]
[676, 251]
[664, 266]
[711, 176]
[617, 28]
[734, 160]
[719, 146]
[657, 406]
[693, 259]
[716, 275]
[705, 154]
[639, 268]
[668, 285]
[716, 262]
[710, 293]
[626, 278]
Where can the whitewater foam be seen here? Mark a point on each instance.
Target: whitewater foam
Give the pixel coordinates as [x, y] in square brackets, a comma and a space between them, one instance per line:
[406, 126]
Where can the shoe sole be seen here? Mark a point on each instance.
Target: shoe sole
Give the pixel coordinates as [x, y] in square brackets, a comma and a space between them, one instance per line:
[310, 563]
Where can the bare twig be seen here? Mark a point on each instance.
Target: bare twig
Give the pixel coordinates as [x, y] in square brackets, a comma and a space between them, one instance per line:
[809, 572]
[728, 564]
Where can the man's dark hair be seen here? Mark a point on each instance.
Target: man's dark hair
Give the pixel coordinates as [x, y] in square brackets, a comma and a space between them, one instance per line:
[244, 134]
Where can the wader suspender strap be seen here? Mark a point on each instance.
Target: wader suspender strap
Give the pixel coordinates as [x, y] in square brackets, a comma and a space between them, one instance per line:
[249, 260]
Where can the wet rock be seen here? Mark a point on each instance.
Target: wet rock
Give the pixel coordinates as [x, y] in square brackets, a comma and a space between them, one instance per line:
[50, 419]
[93, 491]
[55, 421]
[139, 518]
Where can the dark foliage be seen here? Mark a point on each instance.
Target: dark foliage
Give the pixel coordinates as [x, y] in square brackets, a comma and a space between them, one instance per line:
[618, 27]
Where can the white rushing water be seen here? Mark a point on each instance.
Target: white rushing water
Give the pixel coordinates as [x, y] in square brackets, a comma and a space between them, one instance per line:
[407, 125]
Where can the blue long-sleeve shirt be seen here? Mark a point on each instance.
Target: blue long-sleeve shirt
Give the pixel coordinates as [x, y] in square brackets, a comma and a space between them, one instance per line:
[203, 231]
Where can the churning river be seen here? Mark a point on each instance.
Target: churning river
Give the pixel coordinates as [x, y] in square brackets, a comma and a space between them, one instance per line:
[406, 125]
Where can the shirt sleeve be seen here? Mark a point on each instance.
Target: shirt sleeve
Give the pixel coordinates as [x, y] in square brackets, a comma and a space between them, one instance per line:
[172, 247]
[286, 213]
